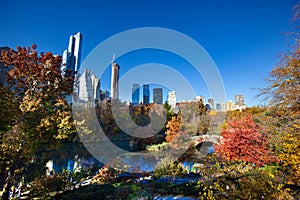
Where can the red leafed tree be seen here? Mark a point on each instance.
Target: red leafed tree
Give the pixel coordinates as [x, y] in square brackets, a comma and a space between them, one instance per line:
[243, 140]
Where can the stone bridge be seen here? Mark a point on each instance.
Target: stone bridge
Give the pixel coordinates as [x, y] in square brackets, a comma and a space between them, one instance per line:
[206, 138]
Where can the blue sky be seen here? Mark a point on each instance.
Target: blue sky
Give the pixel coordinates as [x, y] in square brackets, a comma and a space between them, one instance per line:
[244, 38]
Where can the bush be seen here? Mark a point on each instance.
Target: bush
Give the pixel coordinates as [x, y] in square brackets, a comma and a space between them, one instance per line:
[158, 147]
[105, 175]
[168, 166]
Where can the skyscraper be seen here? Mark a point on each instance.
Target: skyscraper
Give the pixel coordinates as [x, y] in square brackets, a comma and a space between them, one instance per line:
[158, 96]
[85, 92]
[172, 99]
[135, 94]
[89, 87]
[115, 68]
[96, 87]
[146, 94]
[72, 56]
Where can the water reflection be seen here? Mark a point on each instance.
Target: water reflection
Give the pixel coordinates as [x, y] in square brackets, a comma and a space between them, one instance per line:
[74, 157]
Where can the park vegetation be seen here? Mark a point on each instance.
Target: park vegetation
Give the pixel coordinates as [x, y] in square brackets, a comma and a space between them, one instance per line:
[257, 156]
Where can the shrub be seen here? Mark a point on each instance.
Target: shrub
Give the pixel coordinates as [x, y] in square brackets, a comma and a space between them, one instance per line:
[168, 166]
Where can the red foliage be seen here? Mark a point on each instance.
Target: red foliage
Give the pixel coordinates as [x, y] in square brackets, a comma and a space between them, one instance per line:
[243, 140]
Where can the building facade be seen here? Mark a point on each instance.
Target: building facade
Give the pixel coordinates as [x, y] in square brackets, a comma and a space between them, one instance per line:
[72, 56]
[239, 100]
[158, 95]
[135, 95]
[146, 94]
[228, 106]
[114, 89]
[85, 91]
[172, 99]
[96, 87]
[89, 87]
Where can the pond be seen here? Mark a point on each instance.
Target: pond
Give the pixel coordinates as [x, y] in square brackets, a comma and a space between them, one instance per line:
[75, 157]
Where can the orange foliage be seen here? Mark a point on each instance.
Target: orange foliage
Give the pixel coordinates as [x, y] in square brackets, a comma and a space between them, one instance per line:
[243, 140]
[173, 127]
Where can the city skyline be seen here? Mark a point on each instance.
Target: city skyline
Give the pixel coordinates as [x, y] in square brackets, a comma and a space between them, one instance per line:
[243, 38]
[89, 84]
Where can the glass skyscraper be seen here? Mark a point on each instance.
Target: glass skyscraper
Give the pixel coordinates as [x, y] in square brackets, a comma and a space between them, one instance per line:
[72, 56]
[146, 94]
[135, 94]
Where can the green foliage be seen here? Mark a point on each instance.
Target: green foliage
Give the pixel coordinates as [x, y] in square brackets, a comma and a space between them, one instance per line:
[168, 166]
[76, 176]
[170, 113]
[139, 193]
[158, 147]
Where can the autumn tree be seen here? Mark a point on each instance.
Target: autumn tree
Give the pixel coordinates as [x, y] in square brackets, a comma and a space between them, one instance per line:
[173, 128]
[282, 92]
[35, 100]
[242, 140]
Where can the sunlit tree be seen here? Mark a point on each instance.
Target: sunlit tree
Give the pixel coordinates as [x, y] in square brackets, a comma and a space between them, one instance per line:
[36, 92]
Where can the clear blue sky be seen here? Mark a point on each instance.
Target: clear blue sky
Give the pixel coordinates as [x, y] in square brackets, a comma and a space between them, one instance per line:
[244, 38]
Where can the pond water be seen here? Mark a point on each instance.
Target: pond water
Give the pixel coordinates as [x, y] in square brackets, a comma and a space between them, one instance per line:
[75, 157]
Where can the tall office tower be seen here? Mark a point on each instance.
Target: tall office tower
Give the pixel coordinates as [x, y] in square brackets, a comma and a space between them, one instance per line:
[85, 92]
[89, 87]
[172, 99]
[135, 95]
[72, 56]
[158, 96]
[211, 103]
[146, 94]
[96, 87]
[115, 68]
[239, 100]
